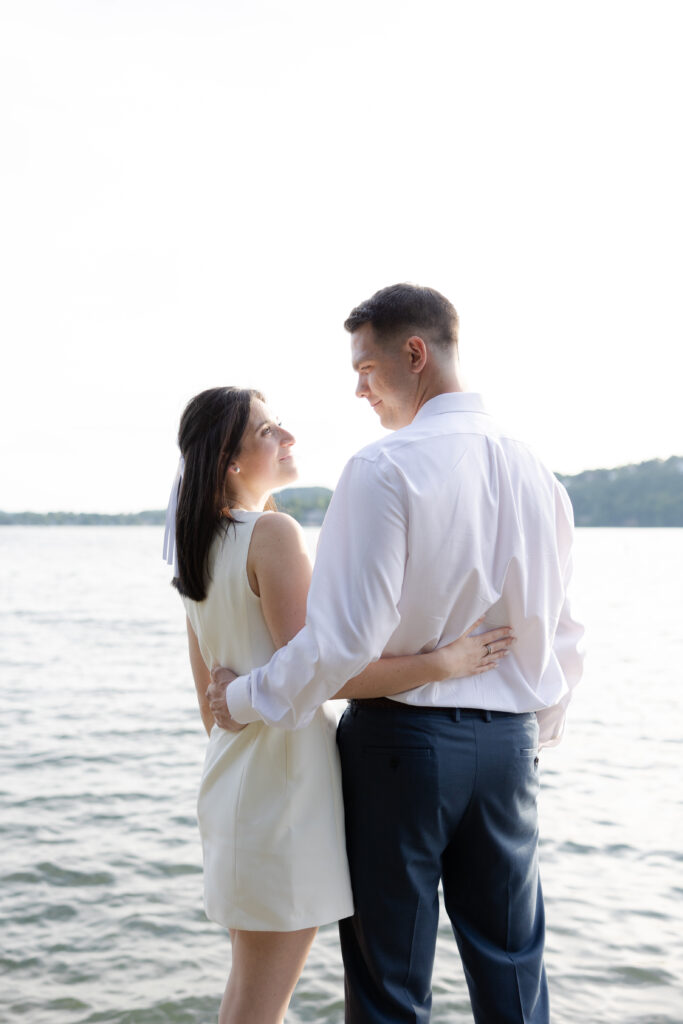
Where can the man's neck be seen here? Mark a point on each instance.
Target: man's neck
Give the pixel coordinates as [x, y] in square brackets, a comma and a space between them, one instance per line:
[442, 383]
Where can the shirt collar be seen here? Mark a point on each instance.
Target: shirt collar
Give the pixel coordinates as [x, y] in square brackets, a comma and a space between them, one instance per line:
[451, 401]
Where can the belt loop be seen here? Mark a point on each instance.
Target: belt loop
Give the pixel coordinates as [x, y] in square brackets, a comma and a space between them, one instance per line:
[457, 714]
[487, 716]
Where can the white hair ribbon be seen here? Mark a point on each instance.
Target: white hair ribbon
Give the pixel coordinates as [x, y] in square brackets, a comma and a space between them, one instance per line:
[170, 552]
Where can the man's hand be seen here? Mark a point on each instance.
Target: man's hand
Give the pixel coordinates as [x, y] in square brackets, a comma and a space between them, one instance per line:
[221, 677]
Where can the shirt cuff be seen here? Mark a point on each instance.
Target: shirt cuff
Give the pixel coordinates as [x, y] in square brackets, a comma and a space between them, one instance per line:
[238, 699]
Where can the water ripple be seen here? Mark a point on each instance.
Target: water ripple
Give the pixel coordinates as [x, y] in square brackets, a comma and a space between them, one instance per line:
[101, 895]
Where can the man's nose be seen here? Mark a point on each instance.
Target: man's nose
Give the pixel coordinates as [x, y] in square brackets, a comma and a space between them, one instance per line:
[361, 387]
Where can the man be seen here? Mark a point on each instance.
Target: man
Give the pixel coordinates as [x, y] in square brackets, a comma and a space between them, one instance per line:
[443, 521]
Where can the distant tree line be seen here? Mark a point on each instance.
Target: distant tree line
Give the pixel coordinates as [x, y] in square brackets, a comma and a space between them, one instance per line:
[151, 518]
[648, 494]
[308, 505]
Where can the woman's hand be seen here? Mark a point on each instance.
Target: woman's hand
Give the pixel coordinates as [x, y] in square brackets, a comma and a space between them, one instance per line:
[472, 655]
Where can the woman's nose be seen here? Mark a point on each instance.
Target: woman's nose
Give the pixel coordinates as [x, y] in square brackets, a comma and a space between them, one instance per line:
[286, 438]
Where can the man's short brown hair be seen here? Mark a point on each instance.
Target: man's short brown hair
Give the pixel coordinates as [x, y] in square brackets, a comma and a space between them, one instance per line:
[401, 310]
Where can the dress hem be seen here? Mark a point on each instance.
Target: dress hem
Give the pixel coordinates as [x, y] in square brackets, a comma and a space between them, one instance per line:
[305, 923]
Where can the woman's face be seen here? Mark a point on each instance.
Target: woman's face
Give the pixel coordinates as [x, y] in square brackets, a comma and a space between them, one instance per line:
[265, 458]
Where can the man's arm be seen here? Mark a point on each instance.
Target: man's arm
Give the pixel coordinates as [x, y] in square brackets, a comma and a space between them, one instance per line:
[567, 646]
[352, 605]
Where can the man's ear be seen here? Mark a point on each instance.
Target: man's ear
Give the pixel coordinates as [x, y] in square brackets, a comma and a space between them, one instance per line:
[417, 351]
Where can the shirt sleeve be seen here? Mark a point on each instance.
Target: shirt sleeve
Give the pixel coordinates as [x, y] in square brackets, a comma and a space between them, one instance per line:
[352, 605]
[567, 643]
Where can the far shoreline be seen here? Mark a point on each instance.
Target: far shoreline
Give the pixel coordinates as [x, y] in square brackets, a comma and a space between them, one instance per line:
[647, 495]
[131, 521]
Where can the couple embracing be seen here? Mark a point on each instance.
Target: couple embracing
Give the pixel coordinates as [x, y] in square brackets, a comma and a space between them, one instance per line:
[438, 607]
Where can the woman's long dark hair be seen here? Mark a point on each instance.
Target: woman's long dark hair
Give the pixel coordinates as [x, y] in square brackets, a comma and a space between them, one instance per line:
[210, 435]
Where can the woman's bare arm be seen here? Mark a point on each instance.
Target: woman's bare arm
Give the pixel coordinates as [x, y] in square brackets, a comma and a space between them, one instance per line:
[202, 677]
[466, 656]
[279, 571]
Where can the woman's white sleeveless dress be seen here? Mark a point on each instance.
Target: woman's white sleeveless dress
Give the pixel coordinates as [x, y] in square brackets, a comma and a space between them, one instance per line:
[270, 808]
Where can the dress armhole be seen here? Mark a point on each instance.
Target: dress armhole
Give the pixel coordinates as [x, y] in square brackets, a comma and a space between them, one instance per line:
[254, 593]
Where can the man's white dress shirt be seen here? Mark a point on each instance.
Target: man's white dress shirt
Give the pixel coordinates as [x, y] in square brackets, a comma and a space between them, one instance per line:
[429, 528]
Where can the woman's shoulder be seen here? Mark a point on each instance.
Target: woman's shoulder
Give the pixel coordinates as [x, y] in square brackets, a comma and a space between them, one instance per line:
[277, 545]
[273, 529]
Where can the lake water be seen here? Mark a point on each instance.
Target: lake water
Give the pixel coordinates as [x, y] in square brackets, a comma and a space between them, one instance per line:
[100, 866]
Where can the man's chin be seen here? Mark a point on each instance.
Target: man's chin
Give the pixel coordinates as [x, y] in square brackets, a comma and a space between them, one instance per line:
[381, 414]
[386, 419]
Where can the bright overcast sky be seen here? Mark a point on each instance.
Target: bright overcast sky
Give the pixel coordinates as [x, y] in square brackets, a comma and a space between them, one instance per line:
[197, 192]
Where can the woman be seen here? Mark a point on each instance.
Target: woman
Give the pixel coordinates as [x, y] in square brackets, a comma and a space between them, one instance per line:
[270, 810]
